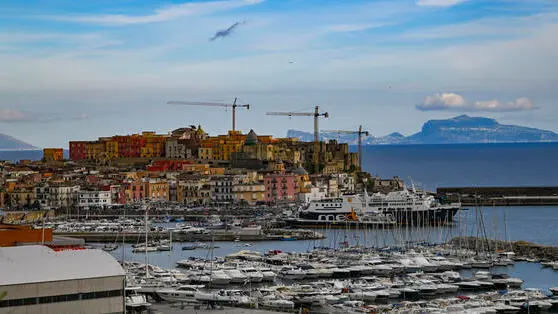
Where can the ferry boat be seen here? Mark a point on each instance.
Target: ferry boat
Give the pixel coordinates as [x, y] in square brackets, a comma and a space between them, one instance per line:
[411, 207]
[339, 212]
[379, 210]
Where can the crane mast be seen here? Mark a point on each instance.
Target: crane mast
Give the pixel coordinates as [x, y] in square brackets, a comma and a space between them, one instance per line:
[359, 132]
[234, 105]
[316, 114]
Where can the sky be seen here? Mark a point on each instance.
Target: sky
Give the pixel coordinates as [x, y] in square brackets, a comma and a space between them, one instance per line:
[78, 70]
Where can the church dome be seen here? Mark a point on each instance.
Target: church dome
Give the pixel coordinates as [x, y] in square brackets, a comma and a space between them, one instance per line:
[251, 138]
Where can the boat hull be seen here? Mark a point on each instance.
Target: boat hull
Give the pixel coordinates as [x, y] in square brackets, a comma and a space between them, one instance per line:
[310, 223]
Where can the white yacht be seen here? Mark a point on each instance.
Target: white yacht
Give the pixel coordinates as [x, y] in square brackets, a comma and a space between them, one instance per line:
[134, 300]
[184, 293]
[236, 275]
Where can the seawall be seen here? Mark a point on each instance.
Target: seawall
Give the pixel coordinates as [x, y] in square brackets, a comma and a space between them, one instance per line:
[501, 196]
[520, 248]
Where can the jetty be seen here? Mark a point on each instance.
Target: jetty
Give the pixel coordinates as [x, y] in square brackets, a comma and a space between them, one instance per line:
[501, 196]
[217, 235]
[522, 249]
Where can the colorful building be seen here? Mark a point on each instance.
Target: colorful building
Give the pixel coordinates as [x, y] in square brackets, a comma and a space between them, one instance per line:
[158, 190]
[249, 193]
[78, 150]
[53, 154]
[281, 187]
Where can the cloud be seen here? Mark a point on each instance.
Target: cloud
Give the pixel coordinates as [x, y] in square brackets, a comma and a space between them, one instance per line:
[443, 101]
[17, 116]
[168, 13]
[439, 3]
[226, 32]
[455, 102]
[13, 115]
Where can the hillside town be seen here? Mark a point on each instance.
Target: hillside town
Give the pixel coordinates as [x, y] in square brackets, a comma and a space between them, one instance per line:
[186, 166]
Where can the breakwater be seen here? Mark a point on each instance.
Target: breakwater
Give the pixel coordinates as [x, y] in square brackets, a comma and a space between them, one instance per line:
[218, 235]
[520, 248]
[500, 196]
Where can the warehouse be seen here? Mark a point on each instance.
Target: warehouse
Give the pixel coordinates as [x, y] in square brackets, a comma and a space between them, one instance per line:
[37, 279]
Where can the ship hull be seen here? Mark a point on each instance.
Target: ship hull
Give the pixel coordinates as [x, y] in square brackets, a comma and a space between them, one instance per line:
[433, 216]
[309, 223]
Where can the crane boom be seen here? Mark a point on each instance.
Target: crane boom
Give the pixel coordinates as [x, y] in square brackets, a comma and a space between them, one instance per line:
[291, 114]
[213, 104]
[196, 103]
[316, 114]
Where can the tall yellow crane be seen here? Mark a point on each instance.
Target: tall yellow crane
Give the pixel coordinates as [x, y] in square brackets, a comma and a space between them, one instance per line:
[234, 105]
[316, 114]
[360, 133]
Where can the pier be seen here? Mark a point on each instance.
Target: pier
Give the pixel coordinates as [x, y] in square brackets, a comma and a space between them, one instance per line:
[218, 235]
[501, 196]
[520, 248]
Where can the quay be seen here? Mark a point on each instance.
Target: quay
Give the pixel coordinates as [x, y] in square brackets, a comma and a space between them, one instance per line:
[218, 235]
[501, 196]
[521, 249]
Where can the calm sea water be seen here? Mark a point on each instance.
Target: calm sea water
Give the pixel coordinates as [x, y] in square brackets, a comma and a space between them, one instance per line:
[466, 165]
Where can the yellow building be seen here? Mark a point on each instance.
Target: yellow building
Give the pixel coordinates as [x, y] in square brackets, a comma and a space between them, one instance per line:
[250, 193]
[222, 146]
[53, 154]
[205, 153]
[197, 168]
[158, 190]
[95, 149]
[154, 145]
[111, 148]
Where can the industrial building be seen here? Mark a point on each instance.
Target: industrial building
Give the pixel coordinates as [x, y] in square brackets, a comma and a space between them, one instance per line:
[38, 279]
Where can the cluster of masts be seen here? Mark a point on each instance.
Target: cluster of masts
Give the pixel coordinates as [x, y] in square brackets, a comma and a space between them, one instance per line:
[316, 114]
[351, 279]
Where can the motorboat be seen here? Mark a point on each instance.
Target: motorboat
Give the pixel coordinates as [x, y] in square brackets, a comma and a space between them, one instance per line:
[135, 301]
[253, 274]
[184, 293]
[236, 276]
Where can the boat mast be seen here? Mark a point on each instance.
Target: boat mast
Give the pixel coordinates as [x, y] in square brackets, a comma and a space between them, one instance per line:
[146, 254]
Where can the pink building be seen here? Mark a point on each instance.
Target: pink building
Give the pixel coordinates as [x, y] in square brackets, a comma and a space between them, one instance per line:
[280, 187]
[136, 191]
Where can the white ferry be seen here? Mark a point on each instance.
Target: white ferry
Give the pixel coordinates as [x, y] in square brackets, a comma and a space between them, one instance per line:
[400, 207]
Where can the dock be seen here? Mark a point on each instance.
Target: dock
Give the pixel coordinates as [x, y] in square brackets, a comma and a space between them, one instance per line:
[520, 248]
[218, 235]
[501, 196]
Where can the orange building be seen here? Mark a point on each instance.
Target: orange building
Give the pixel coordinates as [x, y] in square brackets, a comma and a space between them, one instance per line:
[158, 190]
[53, 154]
[154, 145]
[11, 235]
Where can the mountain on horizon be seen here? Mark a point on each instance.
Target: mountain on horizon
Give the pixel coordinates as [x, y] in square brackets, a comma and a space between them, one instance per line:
[8, 142]
[458, 130]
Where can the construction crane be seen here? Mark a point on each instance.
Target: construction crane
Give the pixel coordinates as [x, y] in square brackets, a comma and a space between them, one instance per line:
[316, 114]
[360, 133]
[213, 104]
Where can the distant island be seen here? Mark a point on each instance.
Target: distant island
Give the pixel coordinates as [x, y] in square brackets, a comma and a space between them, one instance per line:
[8, 142]
[459, 130]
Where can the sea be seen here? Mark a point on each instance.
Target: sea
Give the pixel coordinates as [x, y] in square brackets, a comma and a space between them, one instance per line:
[428, 167]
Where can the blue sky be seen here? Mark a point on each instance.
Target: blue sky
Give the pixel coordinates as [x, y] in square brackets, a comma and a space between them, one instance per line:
[81, 69]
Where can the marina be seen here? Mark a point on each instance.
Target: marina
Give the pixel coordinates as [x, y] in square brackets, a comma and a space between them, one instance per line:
[350, 270]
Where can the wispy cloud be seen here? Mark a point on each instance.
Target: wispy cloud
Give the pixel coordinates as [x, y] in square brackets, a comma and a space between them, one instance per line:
[167, 13]
[21, 116]
[14, 115]
[439, 3]
[226, 32]
[455, 102]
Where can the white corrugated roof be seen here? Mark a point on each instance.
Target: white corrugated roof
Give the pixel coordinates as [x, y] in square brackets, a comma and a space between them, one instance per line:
[37, 263]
